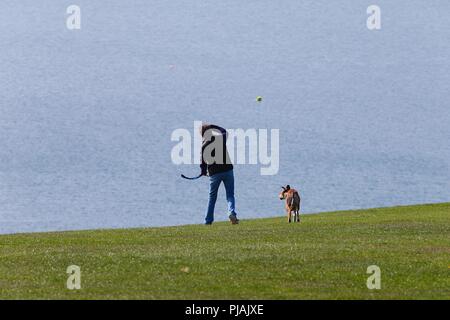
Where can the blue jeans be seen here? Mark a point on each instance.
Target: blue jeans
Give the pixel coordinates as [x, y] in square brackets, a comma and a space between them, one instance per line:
[214, 182]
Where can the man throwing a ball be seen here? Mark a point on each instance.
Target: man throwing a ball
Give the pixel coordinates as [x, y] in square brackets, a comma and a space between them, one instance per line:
[216, 163]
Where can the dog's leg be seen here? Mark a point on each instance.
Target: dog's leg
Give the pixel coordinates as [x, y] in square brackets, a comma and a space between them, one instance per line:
[289, 215]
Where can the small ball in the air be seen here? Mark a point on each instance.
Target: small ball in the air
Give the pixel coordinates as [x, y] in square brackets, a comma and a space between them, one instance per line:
[258, 98]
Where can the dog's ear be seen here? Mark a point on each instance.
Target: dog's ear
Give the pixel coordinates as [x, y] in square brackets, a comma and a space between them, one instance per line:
[284, 189]
[288, 187]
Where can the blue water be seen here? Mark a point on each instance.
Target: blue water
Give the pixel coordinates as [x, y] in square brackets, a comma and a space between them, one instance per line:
[86, 116]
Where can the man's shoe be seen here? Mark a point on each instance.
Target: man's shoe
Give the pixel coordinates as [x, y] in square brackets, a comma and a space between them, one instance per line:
[233, 219]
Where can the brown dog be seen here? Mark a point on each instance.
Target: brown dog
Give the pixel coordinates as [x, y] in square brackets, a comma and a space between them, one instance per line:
[292, 202]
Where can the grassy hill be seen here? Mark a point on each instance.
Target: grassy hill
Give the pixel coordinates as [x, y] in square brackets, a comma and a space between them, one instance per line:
[325, 256]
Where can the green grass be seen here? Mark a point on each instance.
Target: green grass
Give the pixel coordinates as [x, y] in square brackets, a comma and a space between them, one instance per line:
[325, 256]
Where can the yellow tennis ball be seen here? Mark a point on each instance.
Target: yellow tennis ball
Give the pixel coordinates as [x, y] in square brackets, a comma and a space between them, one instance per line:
[258, 98]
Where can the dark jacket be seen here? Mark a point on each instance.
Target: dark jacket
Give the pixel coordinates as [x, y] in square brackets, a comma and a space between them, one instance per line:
[216, 165]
